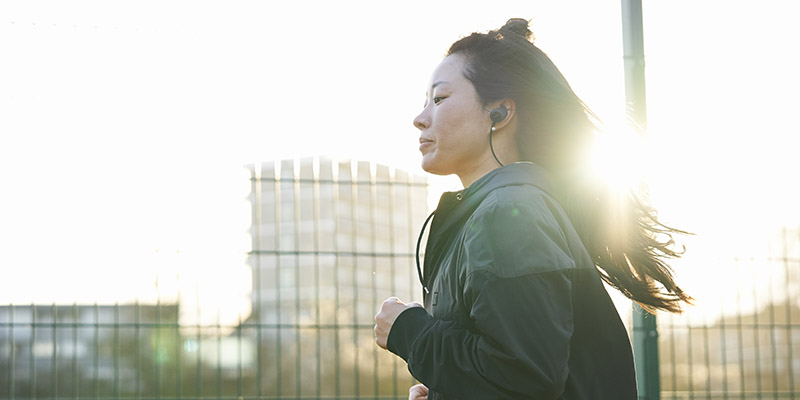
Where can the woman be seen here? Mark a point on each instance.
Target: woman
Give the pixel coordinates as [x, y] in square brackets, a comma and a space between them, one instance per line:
[514, 301]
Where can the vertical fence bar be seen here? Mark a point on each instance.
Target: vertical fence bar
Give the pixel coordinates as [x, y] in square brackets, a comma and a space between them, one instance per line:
[756, 331]
[137, 340]
[33, 355]
[277, 282]
[335, 171]
[256, 222]
[673, 354]
[54, 354]
[198, 386]
[116, 350]
[724, 353]
[75, 373]
[12, 348]
[412, 181]
[315, 168]
[240, 377]
[386, 215]
[373, 193]
[393, 259]
[788, 305]
[706, 355]
[354, 269]
[219, 355]
[690, 359]
[772, 344]
[739, 328]
[157, 347]
[296, 220]
[178, 350]
[96, 369]
[262, 173]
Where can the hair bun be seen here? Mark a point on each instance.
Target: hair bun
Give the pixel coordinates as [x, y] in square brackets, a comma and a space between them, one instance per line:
[517, 26]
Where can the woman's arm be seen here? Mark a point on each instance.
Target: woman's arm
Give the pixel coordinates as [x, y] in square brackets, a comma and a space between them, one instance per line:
[519, 293]
[521, 350]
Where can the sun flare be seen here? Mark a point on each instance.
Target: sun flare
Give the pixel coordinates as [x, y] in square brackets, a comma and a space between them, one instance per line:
[618, 158]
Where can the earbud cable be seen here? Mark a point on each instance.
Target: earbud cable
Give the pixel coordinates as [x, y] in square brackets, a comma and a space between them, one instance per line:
[492, 147]
[419, 241]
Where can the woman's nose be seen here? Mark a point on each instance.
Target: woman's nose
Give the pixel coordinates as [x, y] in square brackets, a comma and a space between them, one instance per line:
[422, 120]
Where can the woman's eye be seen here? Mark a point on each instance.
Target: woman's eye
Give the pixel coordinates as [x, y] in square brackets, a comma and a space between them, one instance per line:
[437, 99]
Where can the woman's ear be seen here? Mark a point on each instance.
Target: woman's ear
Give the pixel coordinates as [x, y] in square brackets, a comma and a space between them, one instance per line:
[502, 113]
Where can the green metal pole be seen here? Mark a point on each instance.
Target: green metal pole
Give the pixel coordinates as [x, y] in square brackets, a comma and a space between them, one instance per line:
[645, 354]
[645, 331]
[633, 55]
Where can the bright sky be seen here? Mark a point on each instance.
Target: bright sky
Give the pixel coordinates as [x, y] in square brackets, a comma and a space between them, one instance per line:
[125, 126]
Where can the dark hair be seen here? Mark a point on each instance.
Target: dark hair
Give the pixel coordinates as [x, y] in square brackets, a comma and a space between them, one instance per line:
[556, 130]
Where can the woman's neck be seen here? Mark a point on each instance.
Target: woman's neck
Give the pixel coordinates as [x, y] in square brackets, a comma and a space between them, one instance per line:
[487, 165]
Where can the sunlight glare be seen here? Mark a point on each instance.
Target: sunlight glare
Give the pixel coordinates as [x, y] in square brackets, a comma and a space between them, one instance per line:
[618, 158]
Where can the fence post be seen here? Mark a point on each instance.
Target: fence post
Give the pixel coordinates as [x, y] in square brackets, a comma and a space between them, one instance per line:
[645, 333]
[645, 354]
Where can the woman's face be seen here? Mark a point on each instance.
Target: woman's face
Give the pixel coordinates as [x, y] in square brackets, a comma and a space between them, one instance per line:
[454, 125]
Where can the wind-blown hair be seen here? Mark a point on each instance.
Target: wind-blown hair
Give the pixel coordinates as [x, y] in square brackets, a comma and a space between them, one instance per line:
[556, 130]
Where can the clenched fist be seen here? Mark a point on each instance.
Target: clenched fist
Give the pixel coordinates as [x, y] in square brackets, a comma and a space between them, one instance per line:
[390, 309]
[418, 392]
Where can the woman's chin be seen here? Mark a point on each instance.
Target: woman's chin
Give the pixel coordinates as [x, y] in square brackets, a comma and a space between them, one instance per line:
[433, 170]
[429, 165]
[436, 165]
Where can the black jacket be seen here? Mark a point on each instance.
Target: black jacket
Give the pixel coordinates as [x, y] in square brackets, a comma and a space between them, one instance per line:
[516, 308]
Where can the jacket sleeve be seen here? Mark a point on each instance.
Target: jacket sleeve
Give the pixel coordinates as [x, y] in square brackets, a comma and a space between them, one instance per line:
[518, 293]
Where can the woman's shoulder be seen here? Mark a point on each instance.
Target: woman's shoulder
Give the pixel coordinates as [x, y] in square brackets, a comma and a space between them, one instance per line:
[526, 196]
[517, 230]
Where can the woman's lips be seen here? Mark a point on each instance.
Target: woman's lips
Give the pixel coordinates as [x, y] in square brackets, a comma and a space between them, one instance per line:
[424, 143]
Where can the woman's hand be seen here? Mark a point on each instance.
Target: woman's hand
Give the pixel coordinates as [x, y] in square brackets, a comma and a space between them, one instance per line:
[390, 309]
[418, 392]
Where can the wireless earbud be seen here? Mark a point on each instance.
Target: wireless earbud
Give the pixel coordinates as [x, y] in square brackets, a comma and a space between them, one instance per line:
[498, 114]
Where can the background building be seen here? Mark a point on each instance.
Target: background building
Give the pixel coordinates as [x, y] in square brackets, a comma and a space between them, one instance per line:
[331, 240]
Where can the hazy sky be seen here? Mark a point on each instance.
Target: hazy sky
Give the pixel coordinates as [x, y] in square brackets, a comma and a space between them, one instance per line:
[125, 126]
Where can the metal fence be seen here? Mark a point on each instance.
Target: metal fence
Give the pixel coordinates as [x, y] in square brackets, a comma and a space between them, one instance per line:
[742, 341]
[330, 241]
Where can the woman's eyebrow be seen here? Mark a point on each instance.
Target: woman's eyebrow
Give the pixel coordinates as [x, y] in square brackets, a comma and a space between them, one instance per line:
[437, 84]
[434, 85]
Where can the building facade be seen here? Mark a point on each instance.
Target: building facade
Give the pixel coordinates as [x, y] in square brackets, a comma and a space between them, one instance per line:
[331, 240]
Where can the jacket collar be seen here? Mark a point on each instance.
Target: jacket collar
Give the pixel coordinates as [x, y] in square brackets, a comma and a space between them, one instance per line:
[454, 205]
[519, 173]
